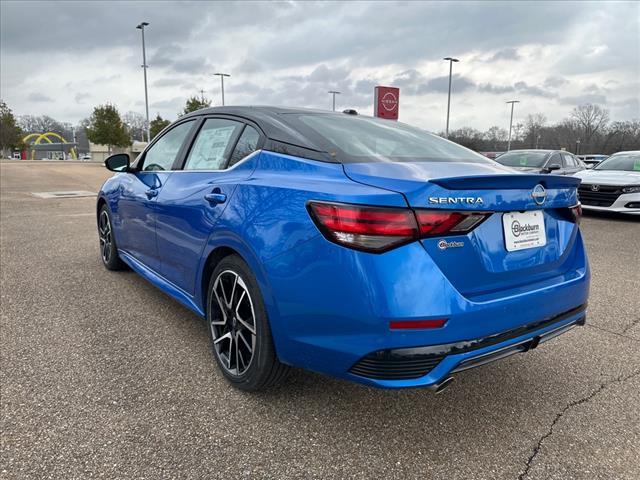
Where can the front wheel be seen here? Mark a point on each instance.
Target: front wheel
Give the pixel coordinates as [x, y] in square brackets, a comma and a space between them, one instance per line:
[239, 328]
[108, 249]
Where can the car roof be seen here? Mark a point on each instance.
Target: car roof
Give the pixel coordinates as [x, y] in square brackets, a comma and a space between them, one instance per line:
[635, 152]
[276, 122]
[531, 150]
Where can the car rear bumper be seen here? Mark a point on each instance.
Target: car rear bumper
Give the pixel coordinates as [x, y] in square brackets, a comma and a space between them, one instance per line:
[431, 365]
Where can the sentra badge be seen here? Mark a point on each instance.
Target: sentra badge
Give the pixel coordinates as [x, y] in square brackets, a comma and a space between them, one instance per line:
[457, 200]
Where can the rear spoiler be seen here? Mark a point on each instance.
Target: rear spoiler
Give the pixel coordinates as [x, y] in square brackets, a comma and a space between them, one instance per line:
[506, 181]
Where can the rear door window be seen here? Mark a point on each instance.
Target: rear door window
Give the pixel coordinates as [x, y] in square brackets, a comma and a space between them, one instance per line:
[569, 161]
[212, 146]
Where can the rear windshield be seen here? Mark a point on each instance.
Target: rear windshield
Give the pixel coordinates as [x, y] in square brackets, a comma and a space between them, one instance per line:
[629, 162]
[523, 159]
[364, 139]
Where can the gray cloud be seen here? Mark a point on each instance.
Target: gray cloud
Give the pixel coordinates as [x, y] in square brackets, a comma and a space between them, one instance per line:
[81, 96]
[177, 58]
[415, 83]
[555, 82]
[39, 97]
[505, 54]
[536, 91]
[497, 89]
[585, 98]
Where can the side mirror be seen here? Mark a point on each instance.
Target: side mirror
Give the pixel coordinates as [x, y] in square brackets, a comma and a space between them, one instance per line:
[118, 162]
[552, 167]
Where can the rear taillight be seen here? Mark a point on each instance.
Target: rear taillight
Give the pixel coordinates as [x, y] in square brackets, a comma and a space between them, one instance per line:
[572, 214]
[434, 223]
[373, 229]
[576, 212]
[378, 229]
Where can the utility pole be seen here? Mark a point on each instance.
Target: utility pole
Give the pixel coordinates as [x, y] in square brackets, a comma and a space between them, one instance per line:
[202, 96]
[451, 60]
[222, 75]
[334, 93]
[578, 147]
[144, 68]
[512, 102]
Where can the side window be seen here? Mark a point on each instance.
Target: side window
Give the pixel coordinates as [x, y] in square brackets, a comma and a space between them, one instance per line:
[555, 159]
[569, 161]
[247, 144]
[163, 153]
[211, 147]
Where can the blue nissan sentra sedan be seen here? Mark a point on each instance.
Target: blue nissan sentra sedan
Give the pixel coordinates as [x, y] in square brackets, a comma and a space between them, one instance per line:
[353, 246]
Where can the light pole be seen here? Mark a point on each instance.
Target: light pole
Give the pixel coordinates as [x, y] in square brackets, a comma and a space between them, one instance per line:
[450, 60]
[222, 75]
[578, 147]
[144, 68]
[512, 102]
[334, 93]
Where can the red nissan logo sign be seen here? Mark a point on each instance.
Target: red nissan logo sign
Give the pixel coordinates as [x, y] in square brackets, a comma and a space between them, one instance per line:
[387, 102]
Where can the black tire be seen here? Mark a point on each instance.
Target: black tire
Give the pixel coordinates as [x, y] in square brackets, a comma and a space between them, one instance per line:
[232, 330]
[108, 248]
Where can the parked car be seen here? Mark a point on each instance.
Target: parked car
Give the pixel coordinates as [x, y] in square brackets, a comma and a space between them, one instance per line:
[354, 246]
[86, 157]
[558, 162]
[613, 185]
[592, 160]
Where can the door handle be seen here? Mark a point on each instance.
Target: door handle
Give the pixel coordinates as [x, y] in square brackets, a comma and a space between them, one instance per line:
[151, 193]
[215, 198]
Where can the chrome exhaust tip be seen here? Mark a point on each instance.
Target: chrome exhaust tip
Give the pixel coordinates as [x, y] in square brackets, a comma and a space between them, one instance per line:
[439, 387]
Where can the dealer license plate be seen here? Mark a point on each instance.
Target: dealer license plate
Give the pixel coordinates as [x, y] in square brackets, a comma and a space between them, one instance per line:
[524, 230]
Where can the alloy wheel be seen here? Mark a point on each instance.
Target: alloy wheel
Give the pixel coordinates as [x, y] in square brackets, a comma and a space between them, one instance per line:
[104, 233]
[233, 322]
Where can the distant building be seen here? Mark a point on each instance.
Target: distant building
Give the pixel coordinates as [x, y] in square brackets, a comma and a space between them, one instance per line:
[99, 153]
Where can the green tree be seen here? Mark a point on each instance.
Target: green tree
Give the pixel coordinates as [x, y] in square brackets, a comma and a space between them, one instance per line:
[107, 128]
[10, 133]
[157, 125]
[195, 103]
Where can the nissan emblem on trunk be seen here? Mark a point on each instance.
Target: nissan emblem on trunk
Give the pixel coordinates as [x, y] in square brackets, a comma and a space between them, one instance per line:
[539, 194]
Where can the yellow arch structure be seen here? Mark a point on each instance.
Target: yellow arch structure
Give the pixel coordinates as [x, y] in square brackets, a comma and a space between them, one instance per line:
[40, 137]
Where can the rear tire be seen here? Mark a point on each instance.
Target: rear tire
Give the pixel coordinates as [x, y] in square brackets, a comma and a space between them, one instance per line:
[108, 248]
[239, 329]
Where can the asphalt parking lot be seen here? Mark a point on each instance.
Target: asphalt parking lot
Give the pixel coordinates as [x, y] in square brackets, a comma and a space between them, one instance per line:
[103, 376]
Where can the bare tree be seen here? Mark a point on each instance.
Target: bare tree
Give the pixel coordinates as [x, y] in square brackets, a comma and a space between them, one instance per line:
[40, 124]
[533, 126]
[496, 137]
[136, 125]
[590, 121]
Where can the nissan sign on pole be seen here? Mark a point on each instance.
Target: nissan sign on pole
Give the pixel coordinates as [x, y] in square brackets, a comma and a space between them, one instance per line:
[386, 102]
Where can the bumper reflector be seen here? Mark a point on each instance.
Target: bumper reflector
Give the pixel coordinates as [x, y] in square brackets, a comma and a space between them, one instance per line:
[416, 324]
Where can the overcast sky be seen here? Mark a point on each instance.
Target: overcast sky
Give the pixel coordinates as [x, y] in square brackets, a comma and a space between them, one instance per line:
[61, 59]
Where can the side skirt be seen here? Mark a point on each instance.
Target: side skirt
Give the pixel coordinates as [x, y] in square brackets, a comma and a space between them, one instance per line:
[160, 282]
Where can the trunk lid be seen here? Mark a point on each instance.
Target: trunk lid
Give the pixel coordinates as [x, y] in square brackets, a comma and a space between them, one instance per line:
[478, 264]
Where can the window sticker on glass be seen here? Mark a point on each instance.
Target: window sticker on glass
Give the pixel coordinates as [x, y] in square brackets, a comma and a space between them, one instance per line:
[210, 146]
[636, 165]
